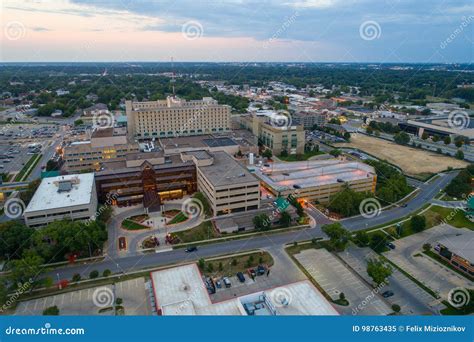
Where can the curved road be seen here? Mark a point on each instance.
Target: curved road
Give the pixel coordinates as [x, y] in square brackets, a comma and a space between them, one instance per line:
[137, 262]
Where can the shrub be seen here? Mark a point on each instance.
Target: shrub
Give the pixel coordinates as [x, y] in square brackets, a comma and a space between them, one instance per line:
[76, 277]
[106, 273]
[94, 274]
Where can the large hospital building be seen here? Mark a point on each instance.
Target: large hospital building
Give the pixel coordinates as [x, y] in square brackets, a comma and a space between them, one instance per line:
[176, 117]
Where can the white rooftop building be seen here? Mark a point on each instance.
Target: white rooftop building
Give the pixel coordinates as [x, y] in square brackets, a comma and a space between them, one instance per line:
[181, 291]
[73, 197]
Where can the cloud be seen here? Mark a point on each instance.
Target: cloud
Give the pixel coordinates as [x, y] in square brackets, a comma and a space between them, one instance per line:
[40, 29]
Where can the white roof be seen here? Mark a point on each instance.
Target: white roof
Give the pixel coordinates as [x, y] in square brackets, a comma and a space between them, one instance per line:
[181, 291]
[47, 196]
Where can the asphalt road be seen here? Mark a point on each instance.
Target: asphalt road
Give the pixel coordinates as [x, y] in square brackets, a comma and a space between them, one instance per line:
[135, 263]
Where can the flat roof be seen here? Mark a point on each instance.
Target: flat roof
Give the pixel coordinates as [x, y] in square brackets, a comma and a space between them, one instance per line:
[47, 196]
[462, 244]
[311, 173]
[181, 291]
[201, 141]
[226, 170]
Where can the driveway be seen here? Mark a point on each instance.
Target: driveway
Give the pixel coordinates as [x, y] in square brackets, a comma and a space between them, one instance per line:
[408, 256]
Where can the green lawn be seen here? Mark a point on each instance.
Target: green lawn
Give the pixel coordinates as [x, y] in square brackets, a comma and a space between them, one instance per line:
[132, 225]
[25, 171]
[232, 265]
[204, 231]
[435, 216]
[180, 217]
[298, 157]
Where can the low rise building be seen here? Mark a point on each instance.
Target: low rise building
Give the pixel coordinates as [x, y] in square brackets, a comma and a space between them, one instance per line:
[316, 180]
[458, 251]
[275, 131]
[181, 291]
[64, 197]
[228, 185]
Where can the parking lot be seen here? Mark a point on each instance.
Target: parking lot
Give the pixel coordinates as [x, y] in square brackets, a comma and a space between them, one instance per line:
[84, 302]
[19, 142]
[412, 299]
[284, 271]
[408, 256]
[334, 277]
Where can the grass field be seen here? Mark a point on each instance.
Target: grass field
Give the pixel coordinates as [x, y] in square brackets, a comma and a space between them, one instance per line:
[29, 166]
[180, 217]
[232, 265]
[204, 231]
[412, 161]
[132, 225]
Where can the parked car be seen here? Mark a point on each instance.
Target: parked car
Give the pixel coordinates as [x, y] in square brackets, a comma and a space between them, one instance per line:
[241, 277]
[191, 249]
[261, 270]
[122, 243]
[390, 245]
[387, 294]
[227, 282]
[252, 272]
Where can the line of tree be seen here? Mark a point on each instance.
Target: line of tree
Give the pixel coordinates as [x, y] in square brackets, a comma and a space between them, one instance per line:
[461, 185]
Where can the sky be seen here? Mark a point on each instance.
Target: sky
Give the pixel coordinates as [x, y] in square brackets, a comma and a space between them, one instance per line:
[379, 31]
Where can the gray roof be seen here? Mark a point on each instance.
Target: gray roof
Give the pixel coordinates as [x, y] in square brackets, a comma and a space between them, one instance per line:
[461, 245]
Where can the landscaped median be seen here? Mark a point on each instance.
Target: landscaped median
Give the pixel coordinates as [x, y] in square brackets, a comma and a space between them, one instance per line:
[29, 166]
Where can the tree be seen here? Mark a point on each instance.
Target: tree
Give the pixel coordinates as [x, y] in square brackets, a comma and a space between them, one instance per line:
[51, 311]
[94, 274]
[459, 155]
[418, 223]
[267, 153]
[347, 136]
[378, 271]
[335, 152]
[261, 222]
[284, 153]
[221, 267]
[378, 241]
[402, 138]
[285, 219]
[15, 238]
[201, 263]
[106, 273]
[78, 122]
[338, 236]
[362, 237]
[76, 277]
[369, 130]
[461, 185]
[210, 267]
[396, 308]
[26, 269]
[425, 136]
[447, 140]
[436, 138]
[426, 247]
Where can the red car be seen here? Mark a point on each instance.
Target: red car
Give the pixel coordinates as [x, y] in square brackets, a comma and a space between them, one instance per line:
[122, 243]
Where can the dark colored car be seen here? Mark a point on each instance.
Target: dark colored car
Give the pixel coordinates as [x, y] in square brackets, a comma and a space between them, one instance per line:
[191, 249]
[122, 243]
[390, 245]
[241, 277]
[261, 270]
[387, 294]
